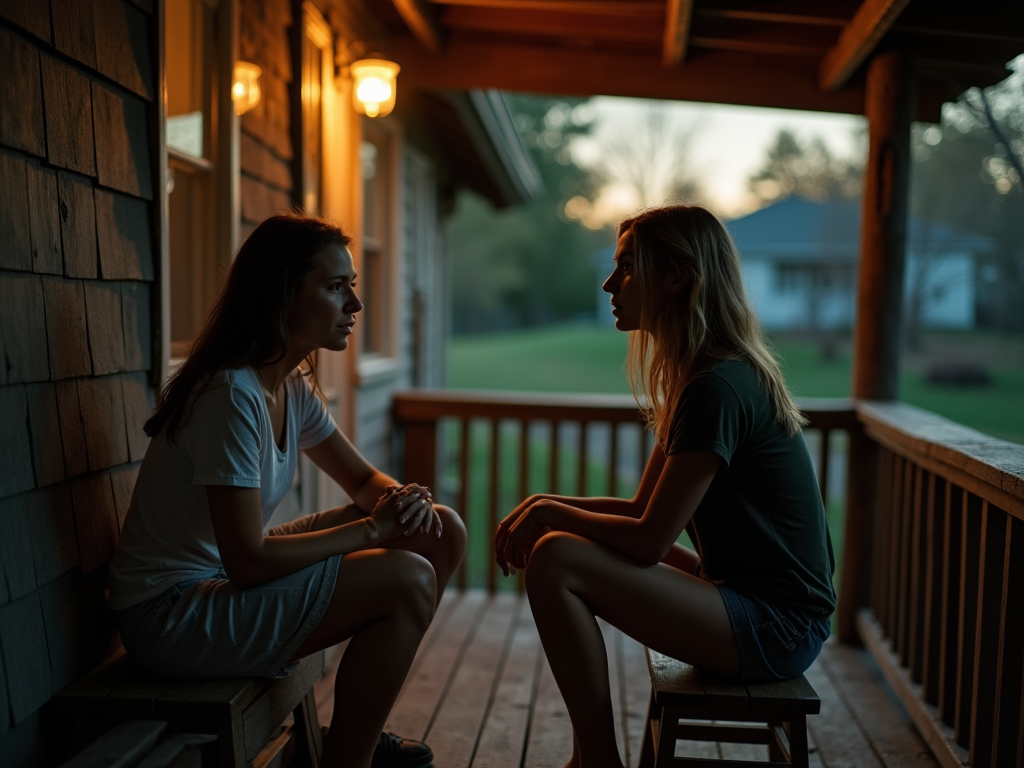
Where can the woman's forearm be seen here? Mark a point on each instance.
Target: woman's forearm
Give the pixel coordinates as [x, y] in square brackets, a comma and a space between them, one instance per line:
[279, 556]
[602, 505]
[618, 531]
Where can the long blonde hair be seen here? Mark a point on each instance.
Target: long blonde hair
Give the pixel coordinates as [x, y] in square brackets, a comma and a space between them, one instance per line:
[708, 320]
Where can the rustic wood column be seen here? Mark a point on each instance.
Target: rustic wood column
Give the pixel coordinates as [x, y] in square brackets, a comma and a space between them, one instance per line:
[889, 106]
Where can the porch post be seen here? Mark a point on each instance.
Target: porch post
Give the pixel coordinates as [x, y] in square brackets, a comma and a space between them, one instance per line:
[889, 106]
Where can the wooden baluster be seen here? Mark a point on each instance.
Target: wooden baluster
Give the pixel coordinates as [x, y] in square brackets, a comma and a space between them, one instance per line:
[1008, 738]
[464, 489]
[524, 478]
[949, 620]
[420, 465]
[892, 579]
[970, 538]
[581, 468]
[932, 630]
[492, 513]
[613, 456]
[910, 474]
[553, 479]
[823, 456]
[987, 631]
[883, 513]
[915, 598]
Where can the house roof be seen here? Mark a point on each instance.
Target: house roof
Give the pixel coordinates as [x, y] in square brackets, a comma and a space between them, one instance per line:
[797, 228]
[800, 54]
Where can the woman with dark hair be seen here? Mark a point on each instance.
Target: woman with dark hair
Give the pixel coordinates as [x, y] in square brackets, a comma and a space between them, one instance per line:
[729, 465]
[199, 586]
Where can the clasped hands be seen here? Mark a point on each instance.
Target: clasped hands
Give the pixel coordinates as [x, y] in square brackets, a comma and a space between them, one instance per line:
[404, 509]
[519, 532]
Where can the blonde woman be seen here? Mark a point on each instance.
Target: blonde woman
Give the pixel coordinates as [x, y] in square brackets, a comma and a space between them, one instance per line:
[753, 601]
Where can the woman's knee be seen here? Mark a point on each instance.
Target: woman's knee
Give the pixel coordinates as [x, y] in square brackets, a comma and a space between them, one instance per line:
[551, 559]
[453, 532]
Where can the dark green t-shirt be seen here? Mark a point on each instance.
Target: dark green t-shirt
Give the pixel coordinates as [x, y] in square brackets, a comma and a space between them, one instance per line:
[761, 526]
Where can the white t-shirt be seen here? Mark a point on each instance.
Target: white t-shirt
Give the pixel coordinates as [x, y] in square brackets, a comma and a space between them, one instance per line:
[227, 440]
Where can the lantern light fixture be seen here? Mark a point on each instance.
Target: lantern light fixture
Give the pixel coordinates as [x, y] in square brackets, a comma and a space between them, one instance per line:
[245, 90]
[373, 86]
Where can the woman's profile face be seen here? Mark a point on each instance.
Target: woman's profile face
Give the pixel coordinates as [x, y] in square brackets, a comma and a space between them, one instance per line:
[623, 285]
[323, 314]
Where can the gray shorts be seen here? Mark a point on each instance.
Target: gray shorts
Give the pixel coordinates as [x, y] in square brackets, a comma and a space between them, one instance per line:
[208, 628]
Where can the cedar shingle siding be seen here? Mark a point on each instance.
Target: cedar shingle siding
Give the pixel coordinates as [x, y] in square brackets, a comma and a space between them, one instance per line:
[77, 260]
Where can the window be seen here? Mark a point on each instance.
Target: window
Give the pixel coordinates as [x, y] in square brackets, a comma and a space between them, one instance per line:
[317, 77]
[375, 162]
[191, 45]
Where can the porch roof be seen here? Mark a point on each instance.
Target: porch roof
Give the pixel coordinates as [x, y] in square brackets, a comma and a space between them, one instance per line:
[800, 54]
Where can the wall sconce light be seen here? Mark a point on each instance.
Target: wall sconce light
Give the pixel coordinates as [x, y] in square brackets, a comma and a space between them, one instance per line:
[373, 86]
[245, 91]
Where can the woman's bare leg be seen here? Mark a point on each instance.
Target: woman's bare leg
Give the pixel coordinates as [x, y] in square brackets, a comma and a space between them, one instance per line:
[444, 553]
[570, 580]
[384, 601]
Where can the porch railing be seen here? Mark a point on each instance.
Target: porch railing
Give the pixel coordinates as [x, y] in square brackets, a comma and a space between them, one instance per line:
[927, 515]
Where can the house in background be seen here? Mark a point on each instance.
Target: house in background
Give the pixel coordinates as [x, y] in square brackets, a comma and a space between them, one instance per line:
[127, 181]
[799, 262]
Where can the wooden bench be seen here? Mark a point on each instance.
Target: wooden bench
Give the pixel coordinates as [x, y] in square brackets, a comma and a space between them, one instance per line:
[142, 744]
[245, 713]
[678, 690]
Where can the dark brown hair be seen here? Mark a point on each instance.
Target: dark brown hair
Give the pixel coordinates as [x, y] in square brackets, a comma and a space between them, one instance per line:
[249, 323]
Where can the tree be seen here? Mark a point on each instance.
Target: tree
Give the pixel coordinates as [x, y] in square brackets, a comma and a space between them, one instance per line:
[807, 169]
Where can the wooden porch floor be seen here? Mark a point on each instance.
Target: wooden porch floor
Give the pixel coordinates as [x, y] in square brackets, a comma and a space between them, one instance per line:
[482, 695]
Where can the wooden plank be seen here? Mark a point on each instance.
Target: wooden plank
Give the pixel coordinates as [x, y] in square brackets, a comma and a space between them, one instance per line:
[15, 442]
[14, 218]
[677, 684]
[95, 520]
[419, 17]
[121, 746]
[785, 697]
[78, 225]
[902, 564]
[32, 17]
[123, 46]
[839, 744]
[21, 90]
[933, 532]
[25, 657]
[23, 314]
[461, 715]
[66, 333]
[102, 400]
[858, 40]
[106, 332]
[44, 426]
[51, 527]
[424, 688]
[550, 743]
[503, 737]
[637, 690]
[678, 16]
[74, 33]
[70, 616]
[277, 701]
[987, 631]
[211, 700]
[887, 727]
[44, 220]
[68, 106]
[18, 566]
[123, 156]
[123, 234]
[136, 326]
[915, 598]
[494, 491]
[72, 429]
[122, 485]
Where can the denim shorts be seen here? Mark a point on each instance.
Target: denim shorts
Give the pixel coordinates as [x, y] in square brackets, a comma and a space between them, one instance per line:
[209, 628]
[775, 643]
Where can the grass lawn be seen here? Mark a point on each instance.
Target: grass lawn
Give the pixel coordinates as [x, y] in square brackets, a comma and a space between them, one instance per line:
[589, 359]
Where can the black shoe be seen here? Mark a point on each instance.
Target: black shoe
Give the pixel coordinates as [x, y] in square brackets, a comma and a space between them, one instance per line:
[395, 752]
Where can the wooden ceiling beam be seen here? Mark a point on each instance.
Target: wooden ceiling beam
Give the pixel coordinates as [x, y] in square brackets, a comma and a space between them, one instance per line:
[419, 17]
[647, 8]
[677, 32]
[716, 76]
[857, 41]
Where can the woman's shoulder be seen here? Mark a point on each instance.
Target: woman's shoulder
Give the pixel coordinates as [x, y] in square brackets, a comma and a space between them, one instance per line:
[234, 385]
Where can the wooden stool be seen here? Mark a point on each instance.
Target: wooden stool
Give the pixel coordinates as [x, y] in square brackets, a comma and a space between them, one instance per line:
[245, 713]
[678, 691]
